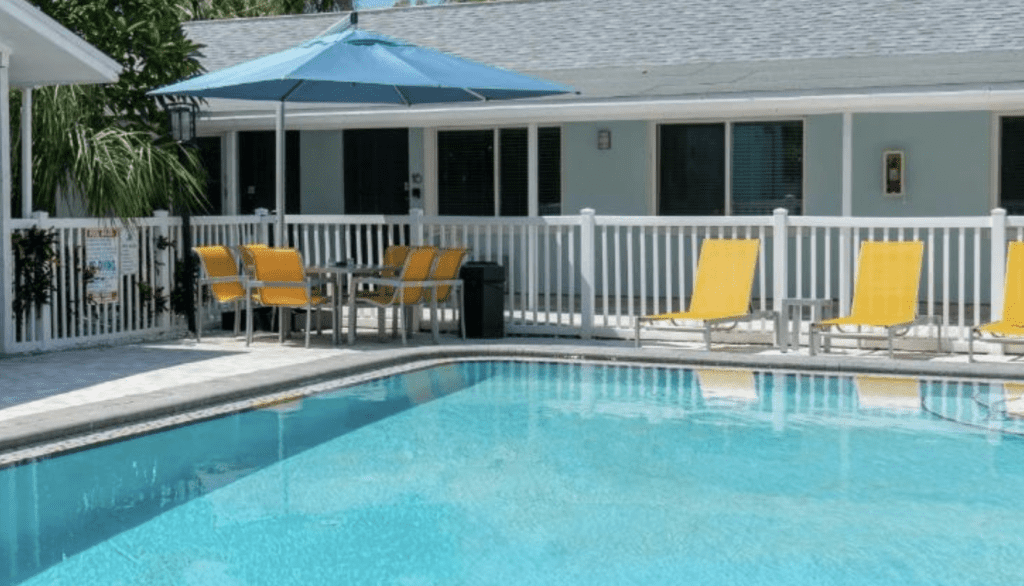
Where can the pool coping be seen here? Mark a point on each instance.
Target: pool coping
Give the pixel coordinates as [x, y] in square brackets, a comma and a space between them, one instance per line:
[68, 422]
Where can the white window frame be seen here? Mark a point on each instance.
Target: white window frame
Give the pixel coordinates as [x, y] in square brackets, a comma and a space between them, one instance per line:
[655, 145]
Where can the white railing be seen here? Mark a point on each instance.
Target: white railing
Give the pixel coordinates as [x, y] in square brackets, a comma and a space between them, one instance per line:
[148, 253]
[583, 275]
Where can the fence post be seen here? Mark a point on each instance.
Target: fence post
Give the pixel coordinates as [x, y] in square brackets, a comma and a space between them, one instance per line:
[43, 321]
[998, 268]
[162, 261]
[845, 268]
[263, 218]
[587, 278]
[780, 257]
[416, 226]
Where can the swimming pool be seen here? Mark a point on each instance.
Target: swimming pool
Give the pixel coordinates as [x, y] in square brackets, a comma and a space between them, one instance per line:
[544, 473]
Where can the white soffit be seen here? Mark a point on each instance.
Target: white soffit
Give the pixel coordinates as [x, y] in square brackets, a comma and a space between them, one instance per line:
[43, 52]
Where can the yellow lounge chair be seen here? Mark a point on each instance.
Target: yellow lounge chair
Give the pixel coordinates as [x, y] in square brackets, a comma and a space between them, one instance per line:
[1009, 329]
[220, 275]
[394, 257]
[721, 292]
[404, 290]
[280, 281]
[884, 296]
[443, 282]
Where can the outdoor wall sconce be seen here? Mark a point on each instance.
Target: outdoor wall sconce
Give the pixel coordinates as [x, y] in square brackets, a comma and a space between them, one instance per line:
[604, 139]
[893, 168]
[183, 121]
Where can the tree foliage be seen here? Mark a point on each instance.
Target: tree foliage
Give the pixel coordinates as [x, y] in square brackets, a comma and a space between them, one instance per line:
[110, 143]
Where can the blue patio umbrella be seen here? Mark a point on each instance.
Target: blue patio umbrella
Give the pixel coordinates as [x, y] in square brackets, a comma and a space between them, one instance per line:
[358, 66]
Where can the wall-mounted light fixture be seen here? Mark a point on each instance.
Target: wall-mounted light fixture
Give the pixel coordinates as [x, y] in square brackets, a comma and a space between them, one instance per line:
[604, 139]
[893, 170]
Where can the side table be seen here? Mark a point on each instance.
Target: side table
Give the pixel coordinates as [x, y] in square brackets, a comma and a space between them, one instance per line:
[792, 314]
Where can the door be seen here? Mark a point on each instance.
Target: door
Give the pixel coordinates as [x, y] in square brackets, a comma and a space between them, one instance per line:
[256, 171]
[377, 171]
[376, 182]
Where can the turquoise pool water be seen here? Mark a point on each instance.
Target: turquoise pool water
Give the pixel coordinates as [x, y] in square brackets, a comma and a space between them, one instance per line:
[532, 473]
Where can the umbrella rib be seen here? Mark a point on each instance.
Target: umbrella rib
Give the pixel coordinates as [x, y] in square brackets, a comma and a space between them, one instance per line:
[475, 94]
[405, 100]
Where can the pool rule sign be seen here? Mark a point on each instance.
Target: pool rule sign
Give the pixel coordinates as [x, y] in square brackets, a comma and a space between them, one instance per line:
[102, 253]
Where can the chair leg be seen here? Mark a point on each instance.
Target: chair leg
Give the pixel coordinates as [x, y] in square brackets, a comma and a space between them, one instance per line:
[352, 318]
[707, 336]
[970, 345]
[636, 336]
[248, 320]
[238, 316]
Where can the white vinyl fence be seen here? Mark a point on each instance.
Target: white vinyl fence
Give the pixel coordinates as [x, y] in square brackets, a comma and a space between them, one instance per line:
[581, 276]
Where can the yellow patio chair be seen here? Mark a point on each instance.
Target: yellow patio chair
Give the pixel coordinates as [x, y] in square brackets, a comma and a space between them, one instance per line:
[406, 289]
[443, 282]
[1009, 329]
[884, 295]
[280, 281]
[394, 257]
[220, 275]
[721, 291]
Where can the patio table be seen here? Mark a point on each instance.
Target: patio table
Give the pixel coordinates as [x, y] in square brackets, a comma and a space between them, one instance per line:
[791, 316]
[342, 274]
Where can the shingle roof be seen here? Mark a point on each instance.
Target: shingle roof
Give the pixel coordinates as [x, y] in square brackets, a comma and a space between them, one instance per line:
[631, 48]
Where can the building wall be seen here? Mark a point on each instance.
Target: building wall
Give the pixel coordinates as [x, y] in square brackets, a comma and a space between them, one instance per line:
[416, 167]
[948, 163]
[322, 178]
[616, 181]
[823, 165]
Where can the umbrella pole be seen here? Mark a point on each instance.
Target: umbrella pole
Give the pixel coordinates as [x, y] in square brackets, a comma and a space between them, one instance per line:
[280, 238]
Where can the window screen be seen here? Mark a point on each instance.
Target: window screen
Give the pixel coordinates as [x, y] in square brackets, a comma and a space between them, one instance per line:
[767, 167]
[692, 177]
[465, 172]
[1011, 165]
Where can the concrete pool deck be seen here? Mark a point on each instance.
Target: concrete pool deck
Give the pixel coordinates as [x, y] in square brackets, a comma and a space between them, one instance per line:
[53, 396]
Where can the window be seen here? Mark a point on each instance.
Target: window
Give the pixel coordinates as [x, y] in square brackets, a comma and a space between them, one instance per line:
[468, 164]
[766, 168]
[1011, 165]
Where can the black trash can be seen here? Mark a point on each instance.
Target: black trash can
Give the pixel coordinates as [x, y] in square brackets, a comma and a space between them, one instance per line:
[484, 298]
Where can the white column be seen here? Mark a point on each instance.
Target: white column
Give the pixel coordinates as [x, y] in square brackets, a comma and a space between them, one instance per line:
[26, 153]
[6, 252]
[780, 257]
[229, 155]
[847, 163]
[533, 170]
[430, 203]
[845, 240]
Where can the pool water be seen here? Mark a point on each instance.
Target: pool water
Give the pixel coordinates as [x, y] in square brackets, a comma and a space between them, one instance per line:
[538, 473]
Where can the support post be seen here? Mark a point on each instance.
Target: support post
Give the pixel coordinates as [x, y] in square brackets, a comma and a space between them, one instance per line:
[998, 269]
[780, 257]
[26, 153]
[430, 203]
[280, 238]
[845, 237]
[263, 217]
[587, 272]
[6, 250]
[43, 322]
[229, 153]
